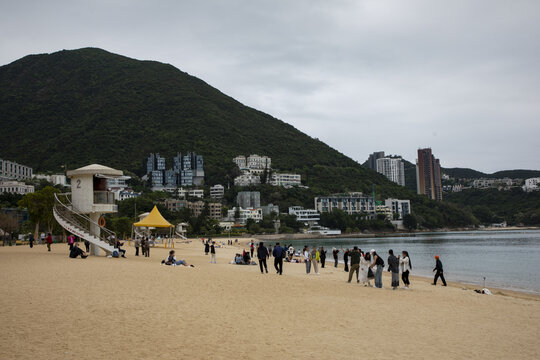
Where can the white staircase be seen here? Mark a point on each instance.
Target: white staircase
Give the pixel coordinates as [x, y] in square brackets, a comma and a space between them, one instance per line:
[79, 224]
[179, 234]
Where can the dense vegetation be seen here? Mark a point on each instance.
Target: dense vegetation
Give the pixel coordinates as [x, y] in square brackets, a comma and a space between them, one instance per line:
[493, 206]
[83, 106]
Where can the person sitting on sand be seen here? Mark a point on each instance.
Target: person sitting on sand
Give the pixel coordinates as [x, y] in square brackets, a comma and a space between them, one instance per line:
[76, 251]
[171, 260]
[120, 250]
[247, 258]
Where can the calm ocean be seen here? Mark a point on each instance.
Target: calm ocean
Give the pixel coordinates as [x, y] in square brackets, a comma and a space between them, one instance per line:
[507, 259]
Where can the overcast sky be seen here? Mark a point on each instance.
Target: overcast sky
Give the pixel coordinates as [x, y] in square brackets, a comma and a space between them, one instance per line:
[462, 77]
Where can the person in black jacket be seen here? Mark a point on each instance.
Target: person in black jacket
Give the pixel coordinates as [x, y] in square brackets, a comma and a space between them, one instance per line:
[322, 253]
[278, 254]
[335, 253]
[206, 247]
[262, 255]
[346, 260]
[439, 271]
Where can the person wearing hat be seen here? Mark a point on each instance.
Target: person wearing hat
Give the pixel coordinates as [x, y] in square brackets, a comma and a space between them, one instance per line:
[439, 271]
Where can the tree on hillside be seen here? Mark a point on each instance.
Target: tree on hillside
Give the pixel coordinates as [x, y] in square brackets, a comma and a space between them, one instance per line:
[410, 222]
[40, 207]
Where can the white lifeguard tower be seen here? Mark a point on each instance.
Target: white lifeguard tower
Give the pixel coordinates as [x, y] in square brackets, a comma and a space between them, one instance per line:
[80, 211]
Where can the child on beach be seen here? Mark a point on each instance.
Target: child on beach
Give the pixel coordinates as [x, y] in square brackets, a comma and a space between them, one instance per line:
[213, 253]
[406, 266]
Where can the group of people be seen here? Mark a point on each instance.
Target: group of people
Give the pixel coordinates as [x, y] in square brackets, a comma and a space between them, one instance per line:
[142, 242]
[263, 253]
[210, 247]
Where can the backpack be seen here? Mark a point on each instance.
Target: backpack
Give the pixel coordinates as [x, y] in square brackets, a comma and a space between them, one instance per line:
[379, 261]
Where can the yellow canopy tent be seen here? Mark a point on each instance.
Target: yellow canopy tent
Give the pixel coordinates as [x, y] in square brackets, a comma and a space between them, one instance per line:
[156, 220]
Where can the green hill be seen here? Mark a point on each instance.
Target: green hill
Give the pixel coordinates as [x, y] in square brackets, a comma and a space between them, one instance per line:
[88, 105]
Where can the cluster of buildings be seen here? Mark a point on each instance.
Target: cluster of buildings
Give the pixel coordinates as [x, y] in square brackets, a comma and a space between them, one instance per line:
[197, 207]
[391, 167]
[13, 177]
[532, 184]
[255, 166]
[187, 170]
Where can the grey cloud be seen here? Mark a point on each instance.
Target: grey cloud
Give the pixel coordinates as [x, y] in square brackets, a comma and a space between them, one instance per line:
[459, 76]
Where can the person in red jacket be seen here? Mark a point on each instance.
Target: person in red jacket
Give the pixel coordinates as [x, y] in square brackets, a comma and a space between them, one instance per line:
[49, 241]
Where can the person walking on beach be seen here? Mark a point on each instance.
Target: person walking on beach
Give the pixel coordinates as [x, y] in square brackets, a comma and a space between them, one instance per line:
[206, 247]
[355, 255]
[262, 255]
[439, 271]
[42, 238]
[315, 257]
[270, 251]
[335, 253]
[307, 259]
[49, 241]
[31, 240]
[322, 253]
[406, 266]
[87, 245]
[393, 266]
[213, 252]
[251, 248]
[346, 259]
[379, 263]
[278, 254]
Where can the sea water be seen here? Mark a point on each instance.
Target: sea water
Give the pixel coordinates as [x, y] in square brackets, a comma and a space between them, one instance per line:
[506, 259]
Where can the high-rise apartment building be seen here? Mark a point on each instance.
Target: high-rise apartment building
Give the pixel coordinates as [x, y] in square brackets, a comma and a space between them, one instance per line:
[10, 170]
[249, 199]
[187, 170]
[372, 160]
[428, 175]
[392, 168]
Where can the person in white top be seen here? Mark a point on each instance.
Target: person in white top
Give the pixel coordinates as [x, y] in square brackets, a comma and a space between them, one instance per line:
[307, 259]
[364, 269]
[406, 266]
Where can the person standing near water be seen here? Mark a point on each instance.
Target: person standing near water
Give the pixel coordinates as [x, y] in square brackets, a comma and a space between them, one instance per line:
[346, 259]
[406, 266]
[315, 257]
[379, 263]
[307, 259]
[364, 269]
[393, 266]
[439, 271]
[262, 255]
[322, 253]
[335, 253]
[278, 254]
[355, 255]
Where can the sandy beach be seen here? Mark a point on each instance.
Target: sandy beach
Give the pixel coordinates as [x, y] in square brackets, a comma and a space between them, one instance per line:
[54, 307]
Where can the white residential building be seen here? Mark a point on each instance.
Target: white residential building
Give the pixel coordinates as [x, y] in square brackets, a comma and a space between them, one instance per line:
[15, 187]
[532, 184]
[246, 180]
[57, 179]
[10, 170]
[393, 169]
[217, 191]
[286, 180]
[126, 194]
[400, 207]
[195, 193]
[483, 183]
[240, 161]
[352, 203]
[245, 214]
[253, 164]
[309, 216]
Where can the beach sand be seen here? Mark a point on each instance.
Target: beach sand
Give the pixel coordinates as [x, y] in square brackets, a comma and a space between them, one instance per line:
[53, 307]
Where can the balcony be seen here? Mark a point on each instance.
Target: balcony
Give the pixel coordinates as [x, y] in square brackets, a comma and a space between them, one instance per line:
[103, 197]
